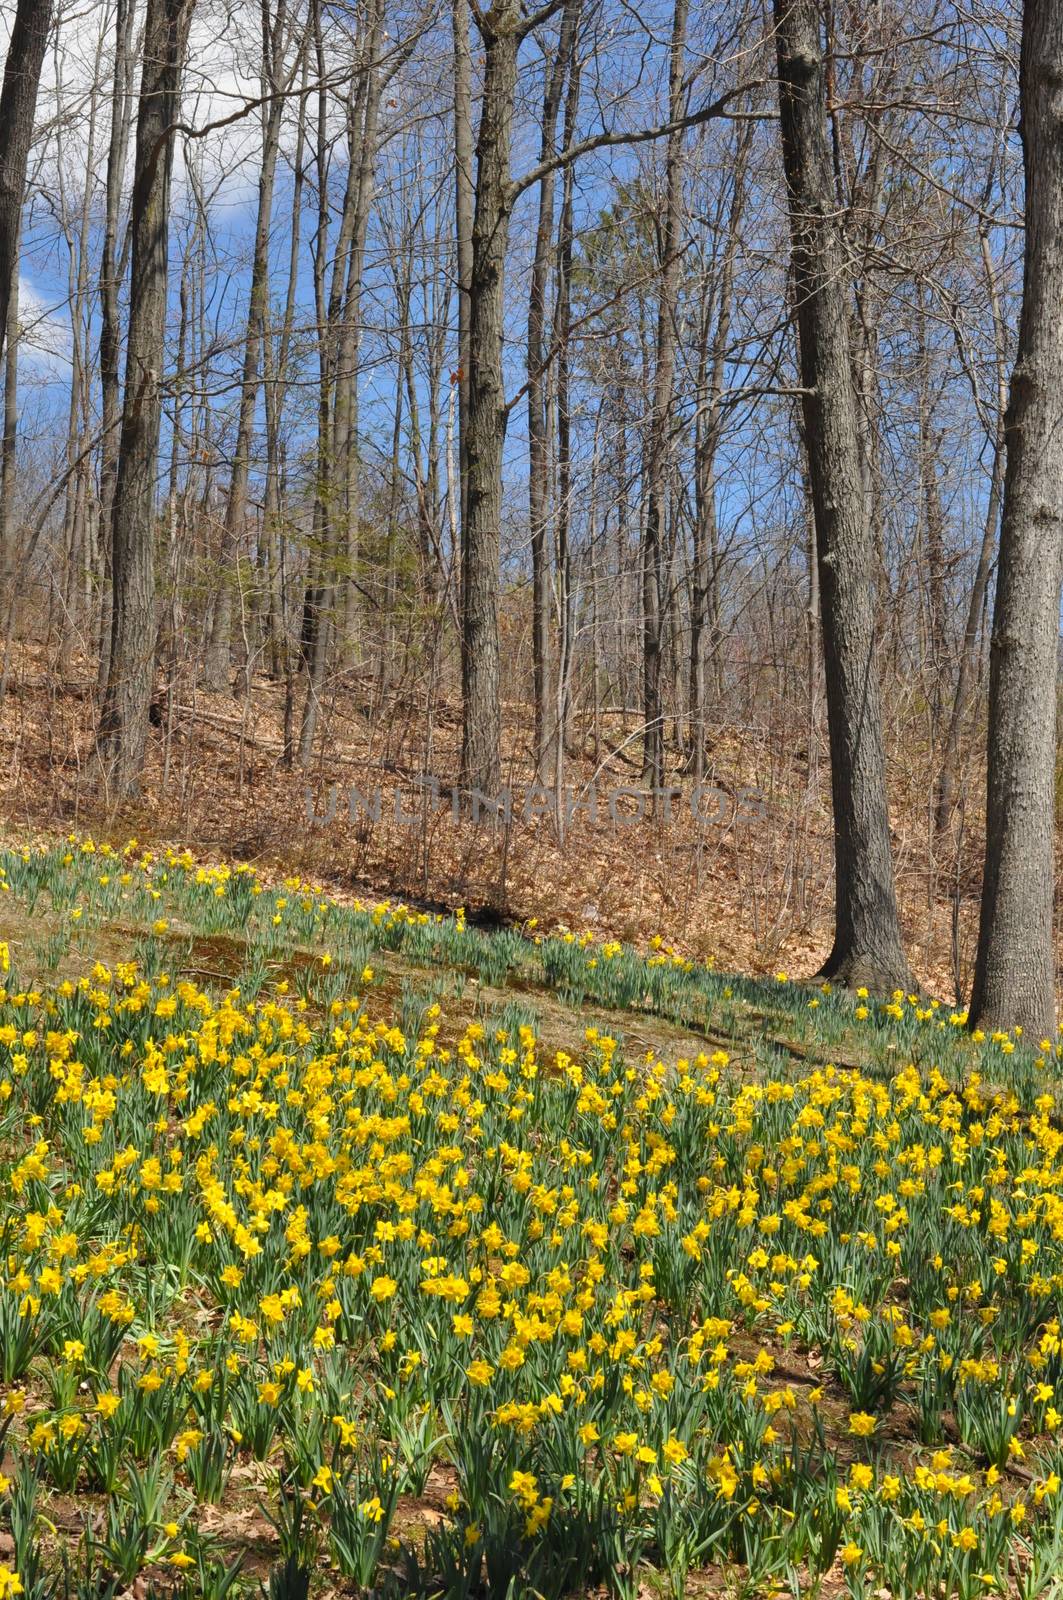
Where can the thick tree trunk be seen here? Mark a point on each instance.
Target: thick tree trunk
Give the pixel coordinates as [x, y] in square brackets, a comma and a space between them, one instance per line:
[18, 103]
[867, 942]
[1014, 979]
[124, 719]
[658, 452]
[486, 431]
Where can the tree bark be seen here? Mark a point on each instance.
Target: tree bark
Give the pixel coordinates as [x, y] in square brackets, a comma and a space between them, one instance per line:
[124, 718]
[18, 104]
[867, 942]
[9, 444]
[277, 375]
[1014, 978]
[543, 665]
[463, 216]
[77, 520]
[111, 273]
[346, 447]
[557, 734]
[658, 453]
[486, 430]
[313, 638]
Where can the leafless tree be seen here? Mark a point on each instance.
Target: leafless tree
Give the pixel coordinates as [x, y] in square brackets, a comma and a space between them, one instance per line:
[131, 667]
[1014, 979]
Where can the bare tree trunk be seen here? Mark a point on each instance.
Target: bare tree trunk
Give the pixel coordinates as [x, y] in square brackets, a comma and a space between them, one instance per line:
[968, 668]
[463, 215]
[557, 733]
[705, 589]
[76, 518]
[436, 579]
[111, 274]
[338, 347]
[813, 632]
[1014, 978]
[8, 447]
[658, 453]
[967, 673]
[542, 655]
[276, 378]
[18, 103]
[431, 564]
[124, 719]
[313, 642]
[867, 941]
[346, 447]
[274, 82]
[486, 431]
[934, 527]
[502, 29]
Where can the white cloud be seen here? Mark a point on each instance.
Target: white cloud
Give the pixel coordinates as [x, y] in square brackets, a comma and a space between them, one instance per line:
[44, 332]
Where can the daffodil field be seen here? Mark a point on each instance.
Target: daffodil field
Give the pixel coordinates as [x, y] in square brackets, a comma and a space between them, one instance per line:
[330, 1266]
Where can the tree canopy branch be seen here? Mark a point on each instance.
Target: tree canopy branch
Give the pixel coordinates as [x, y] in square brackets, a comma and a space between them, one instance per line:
[600, 141]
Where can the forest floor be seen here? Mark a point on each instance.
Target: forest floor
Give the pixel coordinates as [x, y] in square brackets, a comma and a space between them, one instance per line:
[751, 888]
